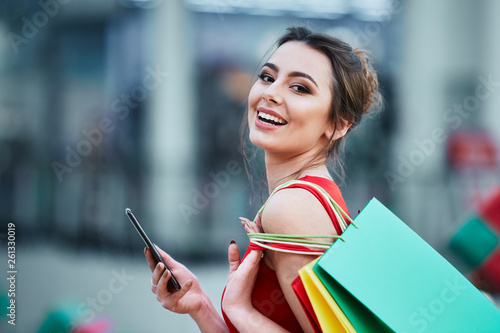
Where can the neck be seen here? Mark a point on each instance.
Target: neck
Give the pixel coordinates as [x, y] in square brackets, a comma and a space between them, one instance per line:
[280, 170]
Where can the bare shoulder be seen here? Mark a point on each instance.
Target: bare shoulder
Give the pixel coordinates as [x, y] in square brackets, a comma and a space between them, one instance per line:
[296, 211]
[293, 211]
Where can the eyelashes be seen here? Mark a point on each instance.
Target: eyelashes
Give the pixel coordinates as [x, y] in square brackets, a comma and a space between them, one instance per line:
[266, 77]
[299, 88]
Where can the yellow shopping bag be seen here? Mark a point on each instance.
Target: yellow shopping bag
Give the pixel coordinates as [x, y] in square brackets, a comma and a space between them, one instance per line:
[330, 316]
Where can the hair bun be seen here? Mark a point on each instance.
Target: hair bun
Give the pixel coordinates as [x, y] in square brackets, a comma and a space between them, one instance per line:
[373, 98]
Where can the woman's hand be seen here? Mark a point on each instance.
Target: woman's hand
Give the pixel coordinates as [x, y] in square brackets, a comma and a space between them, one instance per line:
[250, 226]
[189, 299]
[237, 302]
[241, 280]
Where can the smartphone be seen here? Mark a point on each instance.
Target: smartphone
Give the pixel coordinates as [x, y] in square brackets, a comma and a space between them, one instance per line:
[172, 282]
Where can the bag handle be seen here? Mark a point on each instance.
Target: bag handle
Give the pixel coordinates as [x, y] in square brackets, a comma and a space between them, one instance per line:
[310, 246]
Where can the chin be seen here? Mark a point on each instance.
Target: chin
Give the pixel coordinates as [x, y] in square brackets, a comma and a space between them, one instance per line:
[254, 139]
[266, 145]
[258, 141]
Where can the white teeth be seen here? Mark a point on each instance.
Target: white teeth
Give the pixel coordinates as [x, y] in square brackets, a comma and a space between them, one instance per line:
[272, 118]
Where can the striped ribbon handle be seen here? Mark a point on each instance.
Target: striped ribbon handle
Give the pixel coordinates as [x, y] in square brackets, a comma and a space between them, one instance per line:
[310, 246]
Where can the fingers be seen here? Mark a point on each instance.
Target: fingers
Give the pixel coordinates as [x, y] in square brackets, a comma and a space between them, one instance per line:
[151, 260]
[245, 273]
[250, 266]
[244, 223]
[157, 273]
[258, 222]
[166, 297]
[250, 227]
[252, 259]
[162, 283]
[176, 296]
[244, 220]
[233, 255]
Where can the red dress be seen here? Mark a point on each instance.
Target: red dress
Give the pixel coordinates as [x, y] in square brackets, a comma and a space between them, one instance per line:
[267, 296]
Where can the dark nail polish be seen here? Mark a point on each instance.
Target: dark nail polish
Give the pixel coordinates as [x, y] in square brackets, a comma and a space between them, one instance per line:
[232, 242]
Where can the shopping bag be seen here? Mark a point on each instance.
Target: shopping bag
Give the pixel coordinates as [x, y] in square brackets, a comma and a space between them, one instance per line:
[328, 313]
[385, 278]
[301, 293]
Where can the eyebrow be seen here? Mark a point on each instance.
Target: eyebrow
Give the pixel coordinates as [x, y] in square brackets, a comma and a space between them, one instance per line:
[292, 74]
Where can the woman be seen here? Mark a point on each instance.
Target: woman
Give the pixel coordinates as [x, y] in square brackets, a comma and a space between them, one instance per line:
[309, 94]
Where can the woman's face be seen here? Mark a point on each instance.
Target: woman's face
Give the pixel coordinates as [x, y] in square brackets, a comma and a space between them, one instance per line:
[288, 106]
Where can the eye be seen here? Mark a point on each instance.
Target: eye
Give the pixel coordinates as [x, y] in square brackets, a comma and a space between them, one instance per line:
[301, 89]
[266, 77]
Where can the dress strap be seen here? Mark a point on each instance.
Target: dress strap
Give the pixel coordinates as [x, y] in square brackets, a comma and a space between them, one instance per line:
[302, 244]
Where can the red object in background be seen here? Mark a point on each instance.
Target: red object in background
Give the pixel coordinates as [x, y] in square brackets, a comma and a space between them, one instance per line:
[98, 326]
[475, 150]
[487, 277]
[490, 210]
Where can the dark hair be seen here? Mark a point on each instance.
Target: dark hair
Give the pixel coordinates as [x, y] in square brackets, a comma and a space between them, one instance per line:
[355, 88]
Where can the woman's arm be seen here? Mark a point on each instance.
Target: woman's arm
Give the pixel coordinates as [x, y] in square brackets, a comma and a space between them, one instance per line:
[190, 299]
[294, 211]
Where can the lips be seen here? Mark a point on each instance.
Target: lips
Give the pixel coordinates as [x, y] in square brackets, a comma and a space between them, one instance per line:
[270, 117]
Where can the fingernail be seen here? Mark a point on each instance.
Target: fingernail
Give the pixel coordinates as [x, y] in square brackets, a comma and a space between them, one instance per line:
[232, 242]
[189, 283]
[165, 273]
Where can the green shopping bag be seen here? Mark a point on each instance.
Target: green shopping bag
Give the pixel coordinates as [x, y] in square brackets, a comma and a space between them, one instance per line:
[386, 278]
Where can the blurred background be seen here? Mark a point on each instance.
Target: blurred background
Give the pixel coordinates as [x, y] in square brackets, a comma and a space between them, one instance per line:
[108, 104]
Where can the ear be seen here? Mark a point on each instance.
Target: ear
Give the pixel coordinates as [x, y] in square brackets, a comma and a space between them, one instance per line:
[338, 132]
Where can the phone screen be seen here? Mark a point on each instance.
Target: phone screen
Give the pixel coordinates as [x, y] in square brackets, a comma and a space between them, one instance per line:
[172, 282]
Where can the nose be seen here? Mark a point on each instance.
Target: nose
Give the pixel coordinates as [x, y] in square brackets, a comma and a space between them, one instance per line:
[272, 95]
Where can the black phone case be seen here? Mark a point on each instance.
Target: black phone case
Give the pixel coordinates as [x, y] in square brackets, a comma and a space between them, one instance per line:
[172, 282]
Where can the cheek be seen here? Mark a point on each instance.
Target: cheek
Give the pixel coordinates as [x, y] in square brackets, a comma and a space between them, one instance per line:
[311, 120]
[309, 114]
[255, 95]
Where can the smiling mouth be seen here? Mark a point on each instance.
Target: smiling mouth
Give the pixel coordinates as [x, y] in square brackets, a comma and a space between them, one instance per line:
[271, 120]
